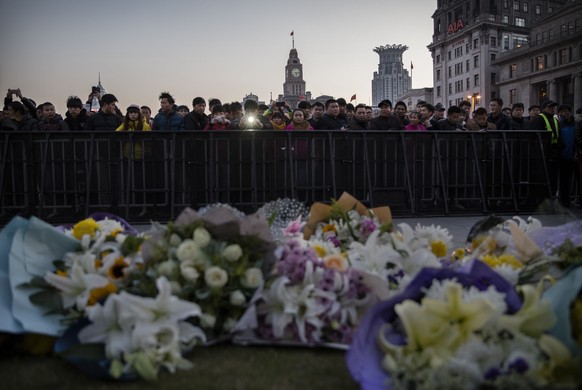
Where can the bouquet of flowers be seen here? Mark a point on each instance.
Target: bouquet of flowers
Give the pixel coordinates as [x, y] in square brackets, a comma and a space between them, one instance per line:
[464, 328]
[308, 300]
[215, 259]
[108, 247]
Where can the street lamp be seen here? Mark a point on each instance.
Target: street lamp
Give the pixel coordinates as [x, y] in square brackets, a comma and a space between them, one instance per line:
[474, 99]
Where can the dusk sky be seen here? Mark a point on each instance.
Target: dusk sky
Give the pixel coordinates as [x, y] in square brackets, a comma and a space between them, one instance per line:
[210, 48]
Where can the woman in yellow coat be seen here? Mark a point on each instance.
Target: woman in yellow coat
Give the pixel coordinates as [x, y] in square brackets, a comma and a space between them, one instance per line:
[134, 121]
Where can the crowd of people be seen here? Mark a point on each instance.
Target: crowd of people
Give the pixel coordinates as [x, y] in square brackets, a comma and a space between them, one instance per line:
[564, 159]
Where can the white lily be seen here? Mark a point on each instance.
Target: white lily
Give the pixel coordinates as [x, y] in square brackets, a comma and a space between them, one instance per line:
[164, 307]
[107, 328]
[76, 289]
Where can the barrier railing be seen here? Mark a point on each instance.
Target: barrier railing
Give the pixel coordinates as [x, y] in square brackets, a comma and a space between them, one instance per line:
[64, 176]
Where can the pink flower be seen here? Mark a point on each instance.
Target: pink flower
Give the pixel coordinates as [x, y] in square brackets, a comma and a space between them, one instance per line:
[294, 228]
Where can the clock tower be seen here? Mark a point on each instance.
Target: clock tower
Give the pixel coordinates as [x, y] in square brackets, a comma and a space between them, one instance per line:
[294, 86]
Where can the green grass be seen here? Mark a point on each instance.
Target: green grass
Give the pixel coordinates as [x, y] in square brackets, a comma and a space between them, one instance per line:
[219, 367]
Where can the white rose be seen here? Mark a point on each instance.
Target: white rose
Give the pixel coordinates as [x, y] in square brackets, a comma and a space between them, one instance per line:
[232, 252]
[187, 251]
[175, 240]
[207, 320]
[252, 278]
[168, 268]
[201, 237]
[237, 298]
[215, 277]
[189, 272]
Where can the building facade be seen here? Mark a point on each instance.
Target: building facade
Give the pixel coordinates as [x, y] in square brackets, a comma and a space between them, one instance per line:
[413, 96]
[550, 66]
[469, 36]
[391, 80]
[294, 85]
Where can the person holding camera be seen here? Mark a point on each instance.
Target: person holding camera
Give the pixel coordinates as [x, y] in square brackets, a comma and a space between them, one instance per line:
[218, 120]
[251, 121]
[18, 119]
[29, 104]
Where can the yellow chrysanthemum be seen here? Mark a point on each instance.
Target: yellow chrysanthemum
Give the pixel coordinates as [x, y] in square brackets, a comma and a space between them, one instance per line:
[496, 261]
[459, 253]
[101, 292]
[61, 273]
[86, 226]
[489, 242]
[116, 232]
[321, 252]
[116, 269]
[329, 228]
[439, 248]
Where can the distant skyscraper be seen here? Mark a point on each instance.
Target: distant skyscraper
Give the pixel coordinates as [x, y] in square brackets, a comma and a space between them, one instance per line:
[391, 80]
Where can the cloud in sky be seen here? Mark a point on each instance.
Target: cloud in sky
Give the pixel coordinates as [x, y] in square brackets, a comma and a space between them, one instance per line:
[209, 48]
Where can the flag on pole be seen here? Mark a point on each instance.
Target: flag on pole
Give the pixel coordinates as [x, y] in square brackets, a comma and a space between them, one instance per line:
[292, 33]
[411, 66]
[353, 98]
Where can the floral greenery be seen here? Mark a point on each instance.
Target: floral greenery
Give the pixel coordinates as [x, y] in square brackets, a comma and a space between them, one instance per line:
[212, 265]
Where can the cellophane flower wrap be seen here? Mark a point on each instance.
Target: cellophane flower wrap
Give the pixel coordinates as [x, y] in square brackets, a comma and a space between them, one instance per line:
[465, 328]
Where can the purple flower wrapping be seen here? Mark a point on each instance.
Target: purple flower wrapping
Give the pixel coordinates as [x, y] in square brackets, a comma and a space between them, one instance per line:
[364, 357]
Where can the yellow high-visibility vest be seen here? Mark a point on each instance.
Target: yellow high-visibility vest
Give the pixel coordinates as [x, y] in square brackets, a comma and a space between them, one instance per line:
[555, 134]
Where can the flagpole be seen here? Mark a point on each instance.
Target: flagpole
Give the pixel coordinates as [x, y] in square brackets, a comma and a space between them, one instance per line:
[293, 38]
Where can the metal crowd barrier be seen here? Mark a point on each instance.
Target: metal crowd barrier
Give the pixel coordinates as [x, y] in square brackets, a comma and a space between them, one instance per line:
[65, 176]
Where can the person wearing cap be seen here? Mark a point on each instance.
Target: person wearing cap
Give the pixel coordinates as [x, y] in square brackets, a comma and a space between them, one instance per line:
[197, 119]
[498, 118]
[547, 120]
[439, 112]
[76, 116]
[385, 121]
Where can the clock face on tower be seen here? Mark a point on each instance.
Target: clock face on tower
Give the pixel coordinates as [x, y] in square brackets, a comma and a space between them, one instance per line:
[295, 72]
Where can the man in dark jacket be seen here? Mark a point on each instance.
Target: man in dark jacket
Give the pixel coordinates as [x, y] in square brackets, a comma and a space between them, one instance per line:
[498, 118]
[385, 121]
[168, 117]
[76, 116]
[546, 120]
[51, 121]
[452, 121]
[106, 119]
[428, 120]
[330, 120]
[197, 119]
[518, 122]
[29, 104]
[359, 121]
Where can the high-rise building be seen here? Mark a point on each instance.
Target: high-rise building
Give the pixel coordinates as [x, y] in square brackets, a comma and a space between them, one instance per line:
[294, 85]
[391, 80]
[550, 66]
[468, 37]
